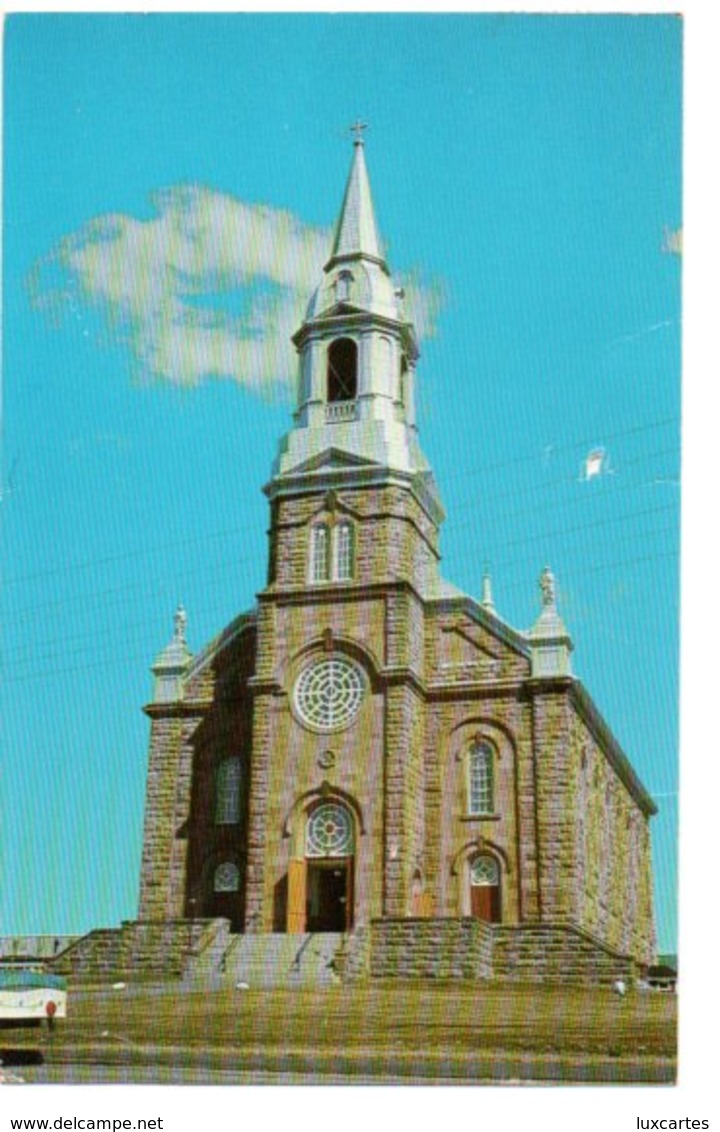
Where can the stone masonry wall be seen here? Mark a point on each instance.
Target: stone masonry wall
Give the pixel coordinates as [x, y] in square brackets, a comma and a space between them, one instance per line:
[456, 724]
[460, 647]
[404, 816]
[593, 838]
[137, 950]
[547, 953]
[555, 802]
[224, 733]
[156, 869]
[612, 875]
[394, 538]
[430, 949]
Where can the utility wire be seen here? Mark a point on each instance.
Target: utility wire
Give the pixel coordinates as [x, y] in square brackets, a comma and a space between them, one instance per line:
[116, 655]
[235, 563]
[579, 499]
[235, 530]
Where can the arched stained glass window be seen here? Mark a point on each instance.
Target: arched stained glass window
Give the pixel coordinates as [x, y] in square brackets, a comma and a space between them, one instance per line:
[484, 871]
[481, 786]
[329, 832]
[226, 877]
[227, 792]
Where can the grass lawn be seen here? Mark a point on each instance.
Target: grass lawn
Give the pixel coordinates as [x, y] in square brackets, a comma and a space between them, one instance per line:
[439, 1027]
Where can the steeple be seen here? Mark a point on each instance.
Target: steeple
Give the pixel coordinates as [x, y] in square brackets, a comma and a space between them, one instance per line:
[355, 413]
[356, 233]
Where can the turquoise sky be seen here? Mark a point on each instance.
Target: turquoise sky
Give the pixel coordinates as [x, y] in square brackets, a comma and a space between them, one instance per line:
[526, 174]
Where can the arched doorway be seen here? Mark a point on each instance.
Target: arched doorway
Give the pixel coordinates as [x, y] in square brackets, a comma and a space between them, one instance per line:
[485, 902]
[329, 857]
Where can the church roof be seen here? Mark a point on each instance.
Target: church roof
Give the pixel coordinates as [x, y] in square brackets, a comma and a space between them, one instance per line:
[356, 233]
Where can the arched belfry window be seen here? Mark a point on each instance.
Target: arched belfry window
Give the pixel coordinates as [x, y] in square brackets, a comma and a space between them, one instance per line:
[227, 792]
[342, 370]
[481, 778]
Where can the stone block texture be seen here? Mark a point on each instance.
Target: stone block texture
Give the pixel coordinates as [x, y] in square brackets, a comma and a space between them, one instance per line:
[566, 832]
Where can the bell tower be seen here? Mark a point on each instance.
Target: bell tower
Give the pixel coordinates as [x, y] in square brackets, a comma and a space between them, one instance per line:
[357, 353]
[354, 558]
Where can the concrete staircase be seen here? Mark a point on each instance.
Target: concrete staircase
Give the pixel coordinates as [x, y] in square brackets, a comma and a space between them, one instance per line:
[276, 960]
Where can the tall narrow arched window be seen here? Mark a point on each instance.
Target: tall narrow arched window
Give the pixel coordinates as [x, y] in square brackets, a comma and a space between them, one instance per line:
[342, 370]
[344, 552]
[481, 785]
[320, 553]
[227, 792]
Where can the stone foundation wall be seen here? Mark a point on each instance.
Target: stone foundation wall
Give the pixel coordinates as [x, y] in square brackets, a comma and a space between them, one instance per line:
[34, 946]
[460, 948]
[352, 963]
[548, 953]
[150, 950]
[430, 949]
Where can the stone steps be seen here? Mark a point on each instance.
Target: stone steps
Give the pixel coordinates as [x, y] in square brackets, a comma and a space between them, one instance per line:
[272, 960]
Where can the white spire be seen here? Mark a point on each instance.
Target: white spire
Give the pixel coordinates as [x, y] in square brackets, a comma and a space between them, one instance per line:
[487, 597]
[356, 234]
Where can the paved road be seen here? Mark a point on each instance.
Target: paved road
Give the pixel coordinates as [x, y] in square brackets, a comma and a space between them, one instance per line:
[168, 1065]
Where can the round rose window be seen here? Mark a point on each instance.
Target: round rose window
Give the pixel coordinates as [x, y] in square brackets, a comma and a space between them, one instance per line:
[328, 694]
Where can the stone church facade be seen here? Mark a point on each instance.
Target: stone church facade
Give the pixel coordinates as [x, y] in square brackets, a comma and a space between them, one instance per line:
[370, 751]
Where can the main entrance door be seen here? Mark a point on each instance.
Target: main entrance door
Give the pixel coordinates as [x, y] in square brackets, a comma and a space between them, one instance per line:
[329, 898]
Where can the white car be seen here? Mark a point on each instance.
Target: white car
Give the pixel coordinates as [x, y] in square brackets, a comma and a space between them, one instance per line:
[29, 996]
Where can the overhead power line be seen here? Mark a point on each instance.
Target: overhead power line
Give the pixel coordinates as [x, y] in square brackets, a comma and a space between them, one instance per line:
[140, 552]
[117, 655]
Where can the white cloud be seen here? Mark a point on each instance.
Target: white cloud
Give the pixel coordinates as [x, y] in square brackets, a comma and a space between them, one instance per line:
[672, 241]
[210, 286]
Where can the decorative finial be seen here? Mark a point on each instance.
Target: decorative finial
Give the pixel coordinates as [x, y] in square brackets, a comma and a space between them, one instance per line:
[357, 129]
[180, 624]
[487, 598]
[547, 588]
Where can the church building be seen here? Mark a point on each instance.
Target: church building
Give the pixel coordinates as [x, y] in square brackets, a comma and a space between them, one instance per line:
[369, 751]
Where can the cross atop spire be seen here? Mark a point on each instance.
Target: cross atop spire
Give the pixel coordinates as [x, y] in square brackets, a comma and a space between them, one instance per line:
[357, 129]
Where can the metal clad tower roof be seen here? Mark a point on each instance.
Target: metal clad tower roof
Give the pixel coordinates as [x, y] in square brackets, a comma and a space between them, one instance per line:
[356, 233]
